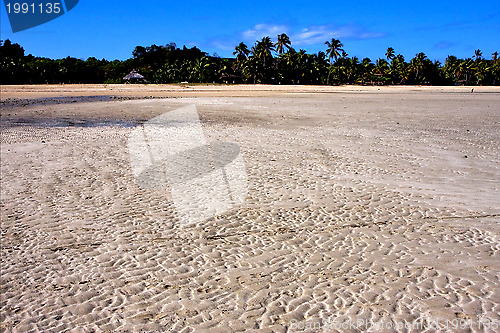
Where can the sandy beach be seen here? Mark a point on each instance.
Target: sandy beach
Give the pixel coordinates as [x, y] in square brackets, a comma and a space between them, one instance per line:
[364, 205]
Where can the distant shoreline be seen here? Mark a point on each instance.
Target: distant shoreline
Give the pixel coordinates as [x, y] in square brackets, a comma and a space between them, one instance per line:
[206, 90]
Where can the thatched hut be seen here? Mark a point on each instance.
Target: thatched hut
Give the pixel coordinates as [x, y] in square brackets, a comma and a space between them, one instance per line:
[134, 77]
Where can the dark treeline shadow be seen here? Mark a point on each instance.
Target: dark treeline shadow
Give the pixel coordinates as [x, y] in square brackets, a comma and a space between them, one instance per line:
[266, 62]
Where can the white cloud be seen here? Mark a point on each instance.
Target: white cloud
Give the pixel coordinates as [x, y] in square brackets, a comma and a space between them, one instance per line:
[314, 35]
[310, 35]
[263, 30]
[322, 33]
[299, 36]
[222, 45]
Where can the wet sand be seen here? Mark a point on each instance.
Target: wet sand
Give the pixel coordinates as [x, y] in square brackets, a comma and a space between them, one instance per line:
[364, 203]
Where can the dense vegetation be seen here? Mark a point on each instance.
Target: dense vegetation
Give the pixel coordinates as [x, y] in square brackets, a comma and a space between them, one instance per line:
[265, 62]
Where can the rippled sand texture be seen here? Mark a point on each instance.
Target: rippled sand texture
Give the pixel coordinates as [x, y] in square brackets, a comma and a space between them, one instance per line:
[368, 205]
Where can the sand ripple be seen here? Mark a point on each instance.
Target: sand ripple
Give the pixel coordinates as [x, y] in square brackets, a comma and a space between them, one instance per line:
[364, 212]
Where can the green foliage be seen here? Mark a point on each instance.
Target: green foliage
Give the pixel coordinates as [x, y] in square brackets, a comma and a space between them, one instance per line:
[264, 62]
[12, 64]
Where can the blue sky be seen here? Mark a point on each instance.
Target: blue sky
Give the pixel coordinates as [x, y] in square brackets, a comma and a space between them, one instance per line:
[111, 29]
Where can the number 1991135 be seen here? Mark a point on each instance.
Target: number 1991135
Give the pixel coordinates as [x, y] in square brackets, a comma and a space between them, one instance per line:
[26, 8]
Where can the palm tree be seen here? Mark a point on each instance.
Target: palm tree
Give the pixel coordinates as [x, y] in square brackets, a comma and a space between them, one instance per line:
[418, 64]
[261, 53]
[481, 70]
[352, 70]
[390, 53]
[366, 66]
[495, 68]
[464, 70]
[252, 64]
[450, 69]
[334, 47]
[478, 54]
[381, 69]
[264, 49]
[397, 69]
[241, 51]
[320, 65]
[283, 42]
[495, 57]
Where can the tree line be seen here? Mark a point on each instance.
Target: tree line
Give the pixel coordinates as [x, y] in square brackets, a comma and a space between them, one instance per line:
[265, 62]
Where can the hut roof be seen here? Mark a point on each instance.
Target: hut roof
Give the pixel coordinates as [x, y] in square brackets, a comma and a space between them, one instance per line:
[133, 75]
